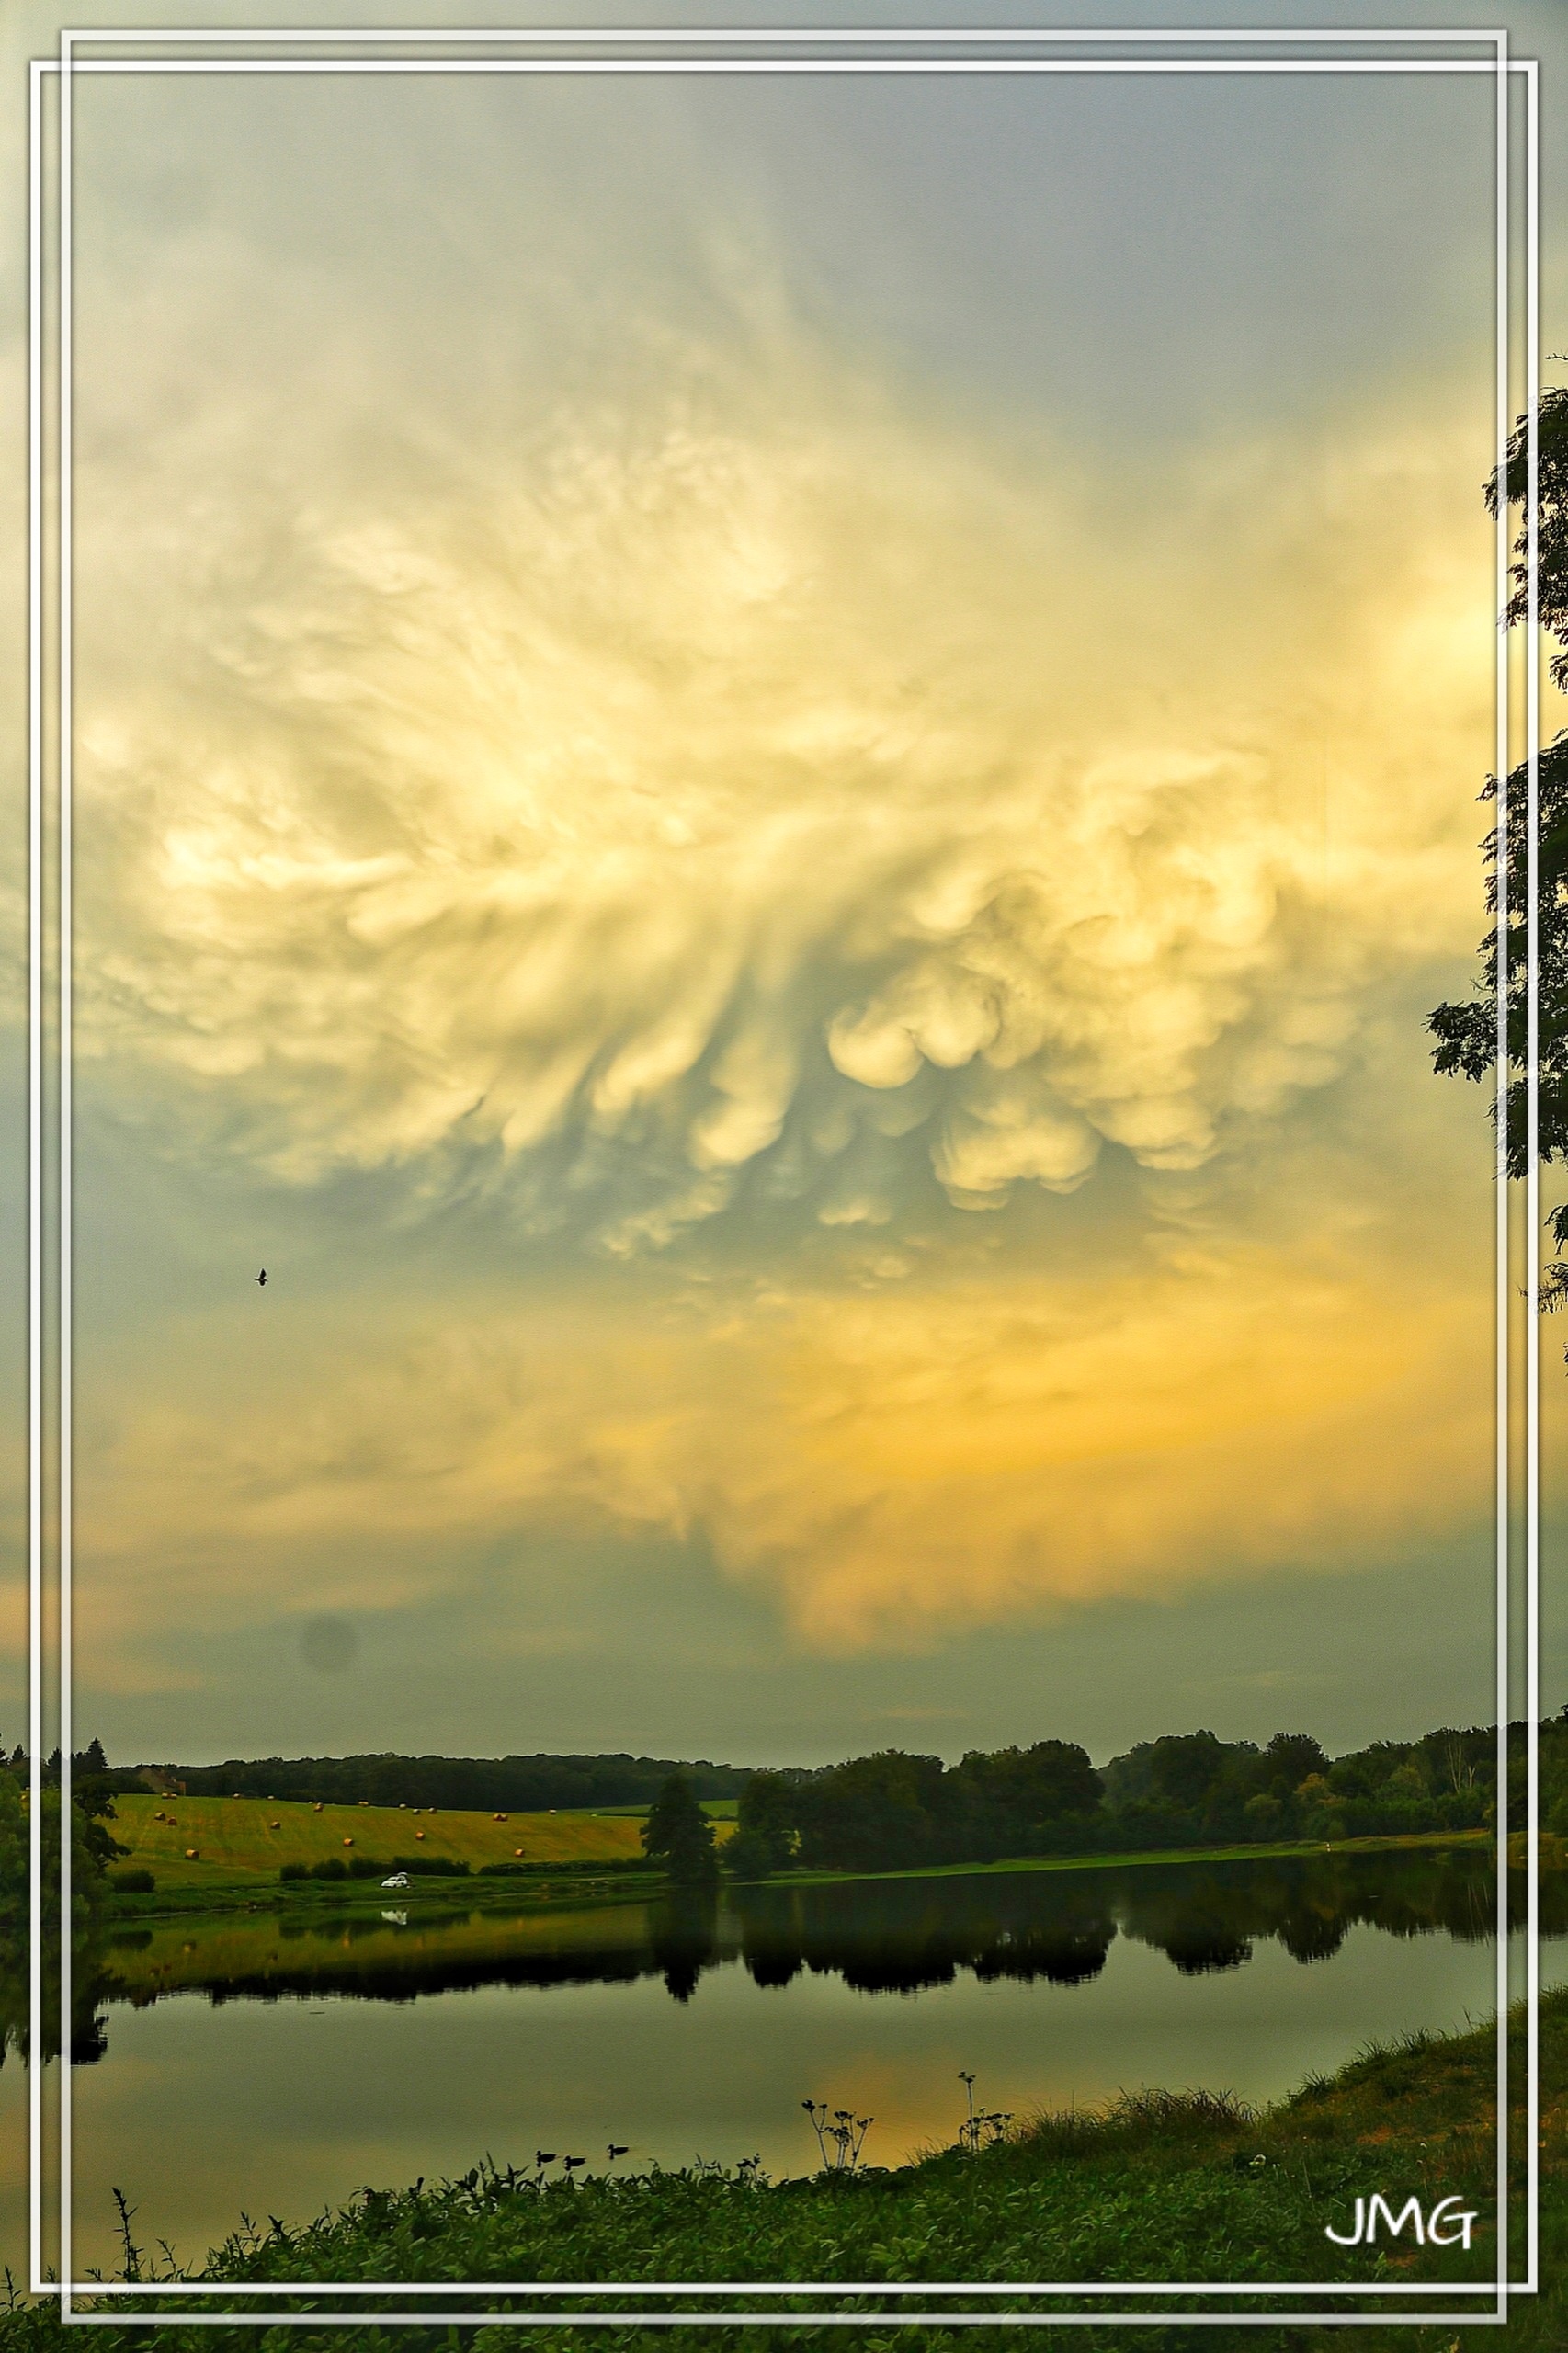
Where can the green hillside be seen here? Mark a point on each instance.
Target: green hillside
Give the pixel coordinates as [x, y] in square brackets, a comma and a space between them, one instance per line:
[238, 1839]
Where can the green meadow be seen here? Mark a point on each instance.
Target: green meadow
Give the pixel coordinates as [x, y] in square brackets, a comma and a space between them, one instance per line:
[240, 1842]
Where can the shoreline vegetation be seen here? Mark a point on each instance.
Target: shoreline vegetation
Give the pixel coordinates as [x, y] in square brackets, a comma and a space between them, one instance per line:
[1157, 2185]
[552, 1886]
[143, 1831]
[1170, 2184]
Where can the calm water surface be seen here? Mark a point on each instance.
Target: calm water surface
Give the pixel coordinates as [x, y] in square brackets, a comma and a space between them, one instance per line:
[240, 2063]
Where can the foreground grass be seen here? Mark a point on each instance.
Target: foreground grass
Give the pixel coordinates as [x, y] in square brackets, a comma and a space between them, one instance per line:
[1159, 2186]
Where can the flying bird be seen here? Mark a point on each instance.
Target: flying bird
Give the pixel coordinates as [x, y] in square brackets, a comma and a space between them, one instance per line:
[261, 1278]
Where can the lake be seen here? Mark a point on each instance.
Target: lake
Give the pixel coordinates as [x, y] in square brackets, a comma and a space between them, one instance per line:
[256, 2062]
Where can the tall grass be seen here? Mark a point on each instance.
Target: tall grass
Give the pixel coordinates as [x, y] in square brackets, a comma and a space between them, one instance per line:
[1151, 2186]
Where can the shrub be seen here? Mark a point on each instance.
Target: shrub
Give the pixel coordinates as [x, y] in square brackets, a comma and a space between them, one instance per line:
[603, 1867]
[132, 1883]
[749, 1854]
[366, 1866]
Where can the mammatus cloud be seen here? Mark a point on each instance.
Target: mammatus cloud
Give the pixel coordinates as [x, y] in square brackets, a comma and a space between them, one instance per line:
[746, 769]
[757, 788]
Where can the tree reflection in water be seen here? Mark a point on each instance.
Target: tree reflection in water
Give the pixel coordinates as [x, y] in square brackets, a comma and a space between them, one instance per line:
[880, 1937]
[683, 1939]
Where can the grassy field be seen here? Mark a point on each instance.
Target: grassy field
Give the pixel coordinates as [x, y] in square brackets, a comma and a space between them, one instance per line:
[1165, 2185]
[241, 1842]
[246, 1840]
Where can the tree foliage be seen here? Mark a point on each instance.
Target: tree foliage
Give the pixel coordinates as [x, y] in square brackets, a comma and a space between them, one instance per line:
[894, 1811]
[767, 1831]
[873, 1812]
[533, 1784]
[678, 1837]
[1468, 1031]
[1552, 537]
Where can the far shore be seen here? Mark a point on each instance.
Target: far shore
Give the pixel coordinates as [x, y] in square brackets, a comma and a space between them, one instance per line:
[560, 1890]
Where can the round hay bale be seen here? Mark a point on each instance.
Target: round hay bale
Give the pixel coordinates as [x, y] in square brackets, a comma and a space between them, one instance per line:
[192, 1855]
[349, 1841]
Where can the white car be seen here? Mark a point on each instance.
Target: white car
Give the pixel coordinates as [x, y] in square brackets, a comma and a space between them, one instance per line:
[398, 1879]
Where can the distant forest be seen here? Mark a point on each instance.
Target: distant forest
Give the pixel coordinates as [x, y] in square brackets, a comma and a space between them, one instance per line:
[897, 1811]
[894, 1811]
[471, 1784]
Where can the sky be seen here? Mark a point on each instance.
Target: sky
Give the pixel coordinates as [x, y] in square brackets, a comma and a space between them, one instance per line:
[772, 779]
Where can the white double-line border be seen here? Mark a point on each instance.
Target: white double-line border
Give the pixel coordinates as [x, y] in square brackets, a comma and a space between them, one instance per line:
[740, 51]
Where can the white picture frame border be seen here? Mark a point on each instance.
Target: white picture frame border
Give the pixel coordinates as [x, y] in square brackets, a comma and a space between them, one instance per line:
[946, 42]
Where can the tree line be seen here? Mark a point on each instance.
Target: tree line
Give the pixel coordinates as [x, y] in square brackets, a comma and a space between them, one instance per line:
[896, 1812]
[456, 1784]
[893, 1811]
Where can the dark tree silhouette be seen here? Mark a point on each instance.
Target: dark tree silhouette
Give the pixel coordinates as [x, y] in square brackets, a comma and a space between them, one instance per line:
[1467, 1033]
[1291, 1757]
[766, 1833]
[679, 1836]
